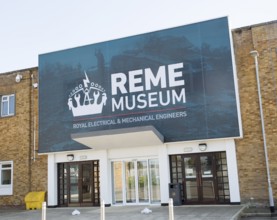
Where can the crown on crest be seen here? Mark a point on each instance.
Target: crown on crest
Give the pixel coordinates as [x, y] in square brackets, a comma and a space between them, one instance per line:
[87, 98]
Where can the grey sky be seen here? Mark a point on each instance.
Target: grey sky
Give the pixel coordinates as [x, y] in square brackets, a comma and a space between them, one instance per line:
[32, 27]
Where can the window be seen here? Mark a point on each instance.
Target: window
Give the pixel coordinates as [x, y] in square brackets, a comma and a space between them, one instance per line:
[6, 174]
[7, 105]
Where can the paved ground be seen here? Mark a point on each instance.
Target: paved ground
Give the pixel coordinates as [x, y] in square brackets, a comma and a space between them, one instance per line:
[257, 213]
[258, 218]
[228, 212]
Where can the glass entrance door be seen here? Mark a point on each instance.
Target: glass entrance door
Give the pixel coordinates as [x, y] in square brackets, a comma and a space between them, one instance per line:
[136, 182]
[200, 178]
[78, 183]
[203, 177]
[130, 182]
[86, 183]
[73, 183]
[143, 181]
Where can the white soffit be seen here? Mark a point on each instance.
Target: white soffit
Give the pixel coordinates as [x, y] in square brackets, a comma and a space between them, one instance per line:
[118, 138]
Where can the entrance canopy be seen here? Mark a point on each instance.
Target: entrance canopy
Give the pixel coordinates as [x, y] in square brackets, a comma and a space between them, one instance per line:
[118, 138]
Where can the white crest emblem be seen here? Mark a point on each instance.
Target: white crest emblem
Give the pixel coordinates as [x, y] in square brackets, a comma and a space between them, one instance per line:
[87, 98]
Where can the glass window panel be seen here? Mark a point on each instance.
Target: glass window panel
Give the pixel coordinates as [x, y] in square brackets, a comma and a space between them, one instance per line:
[11, 105]
[86, 182]
[7, 105]
[191, 190]
[142, 171]
[226, 186]
[117, 182]
[190, 167]
[6, 177]
[6, 165]
[154, 181]
[74, 189]
[208, 189]
[222, 175]
[4, 108]
[206, 166]
[225, 179]
[130, 182]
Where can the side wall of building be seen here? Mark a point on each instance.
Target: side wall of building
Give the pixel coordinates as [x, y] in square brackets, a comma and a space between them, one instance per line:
[19, 137]
[250, 149]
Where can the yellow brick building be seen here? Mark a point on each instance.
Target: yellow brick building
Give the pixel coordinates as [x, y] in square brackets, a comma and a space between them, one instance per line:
[250, 150]
[22, 170]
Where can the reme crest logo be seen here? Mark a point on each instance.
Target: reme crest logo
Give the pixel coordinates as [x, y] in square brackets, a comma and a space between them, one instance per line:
[87, 98]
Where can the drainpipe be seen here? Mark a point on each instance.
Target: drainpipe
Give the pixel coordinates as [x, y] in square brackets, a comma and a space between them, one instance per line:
[34, 119]
[30, 134]
[255, 54]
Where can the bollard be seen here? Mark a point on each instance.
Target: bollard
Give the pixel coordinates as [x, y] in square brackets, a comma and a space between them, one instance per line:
[43, 212]
[171, 212]
[102, 217]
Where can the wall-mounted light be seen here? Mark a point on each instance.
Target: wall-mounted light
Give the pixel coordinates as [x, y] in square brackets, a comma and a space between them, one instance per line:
[70, 157]
[35, 85]
[18, 78]
[202, 147]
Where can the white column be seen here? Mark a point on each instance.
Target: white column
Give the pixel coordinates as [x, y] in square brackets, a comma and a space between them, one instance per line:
[105, 191]
[232, 172]
[164, 173]
[52, 181]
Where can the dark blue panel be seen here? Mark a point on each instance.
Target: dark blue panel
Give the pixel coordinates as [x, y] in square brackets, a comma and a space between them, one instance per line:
[179, 80]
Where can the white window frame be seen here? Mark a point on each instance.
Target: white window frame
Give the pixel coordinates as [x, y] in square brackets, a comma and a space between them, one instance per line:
[7, 99]
[6, 189]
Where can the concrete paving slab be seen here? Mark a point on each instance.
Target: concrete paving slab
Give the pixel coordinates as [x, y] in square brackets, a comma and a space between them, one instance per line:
[223, 212]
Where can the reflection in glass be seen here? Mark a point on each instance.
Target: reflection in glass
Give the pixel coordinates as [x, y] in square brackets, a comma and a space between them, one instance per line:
[206, 166]
[191, 190]
[207, 181]
[190, 167]
[142, 181]
[130, 182]
[86, 183]
[11, 105]
[136, 181]
[191, 180]
[6, 177]
[74, 190]
[154, 181]
[117, 182]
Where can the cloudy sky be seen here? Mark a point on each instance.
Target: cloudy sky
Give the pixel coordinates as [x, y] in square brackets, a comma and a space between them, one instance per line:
[32, 27]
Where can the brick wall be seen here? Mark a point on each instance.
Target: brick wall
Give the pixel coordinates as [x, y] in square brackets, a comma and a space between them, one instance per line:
[17, 139]
[250, 150]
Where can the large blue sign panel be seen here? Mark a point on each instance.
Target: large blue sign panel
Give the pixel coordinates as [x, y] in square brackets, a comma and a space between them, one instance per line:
[179, 80]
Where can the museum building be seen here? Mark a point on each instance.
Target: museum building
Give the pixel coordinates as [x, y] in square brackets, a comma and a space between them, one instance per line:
[171, 113]
[129, 120]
